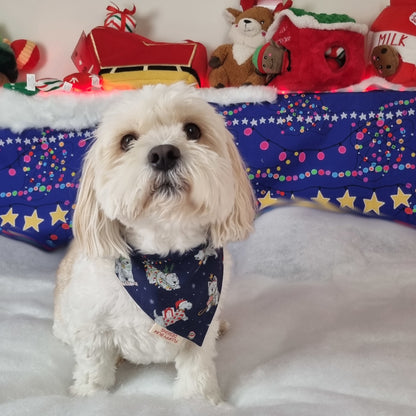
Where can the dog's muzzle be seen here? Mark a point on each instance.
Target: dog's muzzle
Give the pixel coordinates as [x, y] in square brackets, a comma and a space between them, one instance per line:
[164, 157]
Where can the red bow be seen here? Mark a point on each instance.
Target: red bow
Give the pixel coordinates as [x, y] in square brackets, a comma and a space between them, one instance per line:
[115, 9]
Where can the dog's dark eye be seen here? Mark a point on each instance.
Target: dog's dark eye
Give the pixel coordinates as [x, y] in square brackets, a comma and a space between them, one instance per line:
[192, 131]
[127, 141]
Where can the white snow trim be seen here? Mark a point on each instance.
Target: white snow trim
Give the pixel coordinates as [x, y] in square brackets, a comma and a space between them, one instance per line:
[235, 95]
[309, 22]
[70, 111]
[375, 83]
[55, 110]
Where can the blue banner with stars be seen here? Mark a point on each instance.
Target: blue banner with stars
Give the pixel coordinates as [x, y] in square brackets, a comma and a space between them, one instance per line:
[341, 151]
[350, 151]
[39, 171]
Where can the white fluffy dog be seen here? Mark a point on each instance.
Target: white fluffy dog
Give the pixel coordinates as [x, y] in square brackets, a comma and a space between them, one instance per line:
[162, 176]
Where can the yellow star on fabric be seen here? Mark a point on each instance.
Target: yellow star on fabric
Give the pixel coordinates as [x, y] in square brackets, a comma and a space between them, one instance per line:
[400, 198]
[321, 199]
[267, 201]
[32, 221]
[347, 201]
[372, 204]
[9, 218]
[58, 215]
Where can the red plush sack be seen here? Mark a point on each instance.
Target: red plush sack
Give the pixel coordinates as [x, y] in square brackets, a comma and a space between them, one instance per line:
[326, 51]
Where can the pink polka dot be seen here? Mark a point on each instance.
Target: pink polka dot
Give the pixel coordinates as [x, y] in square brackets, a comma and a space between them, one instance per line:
[12, 172]
[302, 157]
[82, 143]
[342, 150]
[27, 158]
[282, 156]
[321, 156]
[248, 131]
[359, 135]
[44, 146]
[264, 145]
[380, 123]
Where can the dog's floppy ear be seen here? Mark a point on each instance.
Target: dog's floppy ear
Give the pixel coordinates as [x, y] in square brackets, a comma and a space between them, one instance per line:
[239, 222]
[95, 233]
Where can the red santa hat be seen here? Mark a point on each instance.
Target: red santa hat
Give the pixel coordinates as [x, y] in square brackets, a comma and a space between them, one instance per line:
[179, 303]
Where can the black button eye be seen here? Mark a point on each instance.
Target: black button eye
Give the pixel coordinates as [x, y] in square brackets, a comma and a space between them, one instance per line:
[192, 131]
[127, 141]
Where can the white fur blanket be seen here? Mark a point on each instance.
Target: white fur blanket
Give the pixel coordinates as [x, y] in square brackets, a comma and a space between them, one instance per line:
[322, 309]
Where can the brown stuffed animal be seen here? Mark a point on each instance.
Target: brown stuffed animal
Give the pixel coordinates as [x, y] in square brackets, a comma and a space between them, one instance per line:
[271, 59]
[232, 64]
[386, 60]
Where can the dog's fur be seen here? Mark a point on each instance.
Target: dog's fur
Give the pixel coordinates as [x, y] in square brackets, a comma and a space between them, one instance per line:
[123, 201]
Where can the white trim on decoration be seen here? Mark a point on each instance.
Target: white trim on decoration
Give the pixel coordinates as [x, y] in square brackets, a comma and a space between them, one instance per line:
[309, 22]
[65, 110]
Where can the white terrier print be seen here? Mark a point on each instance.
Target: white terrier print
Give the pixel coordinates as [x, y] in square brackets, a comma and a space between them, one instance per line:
[204, 254]
[165, 280]
[172, 315]
[124, 271]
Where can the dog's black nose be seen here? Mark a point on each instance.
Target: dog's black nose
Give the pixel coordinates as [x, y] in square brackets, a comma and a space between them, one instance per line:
[164, 157]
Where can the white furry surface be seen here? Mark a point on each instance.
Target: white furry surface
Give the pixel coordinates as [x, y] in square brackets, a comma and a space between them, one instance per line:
[322, 312]
[61, 110]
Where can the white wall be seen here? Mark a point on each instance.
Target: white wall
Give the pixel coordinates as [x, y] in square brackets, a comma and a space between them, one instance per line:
[55, 25]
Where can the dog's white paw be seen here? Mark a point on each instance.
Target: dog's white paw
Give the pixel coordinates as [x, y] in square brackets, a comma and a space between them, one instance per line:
[84, 390]
[88, 386]
[88, 381]
[207, 389]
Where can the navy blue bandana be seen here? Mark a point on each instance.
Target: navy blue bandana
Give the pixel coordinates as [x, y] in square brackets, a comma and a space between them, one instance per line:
[179, 292]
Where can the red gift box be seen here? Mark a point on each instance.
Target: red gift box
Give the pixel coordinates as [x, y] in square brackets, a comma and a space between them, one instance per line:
[120, 19]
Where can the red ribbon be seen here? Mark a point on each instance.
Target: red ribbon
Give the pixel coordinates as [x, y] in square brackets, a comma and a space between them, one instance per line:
[115, 9]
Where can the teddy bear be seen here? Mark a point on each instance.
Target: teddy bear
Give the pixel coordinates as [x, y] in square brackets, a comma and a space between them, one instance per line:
[231, 64]
[271, 59]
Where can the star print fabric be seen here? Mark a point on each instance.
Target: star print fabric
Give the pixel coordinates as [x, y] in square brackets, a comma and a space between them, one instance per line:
[39, 180]
[179, 292]
[345, 151]
[354, 152]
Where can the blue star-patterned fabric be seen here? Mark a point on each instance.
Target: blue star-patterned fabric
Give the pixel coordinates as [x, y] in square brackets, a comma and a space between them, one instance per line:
[349, 151]
[180, 292]
[39, 179]
[354, 152]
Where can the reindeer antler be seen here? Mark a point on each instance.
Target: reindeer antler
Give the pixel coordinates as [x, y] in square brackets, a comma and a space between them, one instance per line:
[285, 4]
[248, 4]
